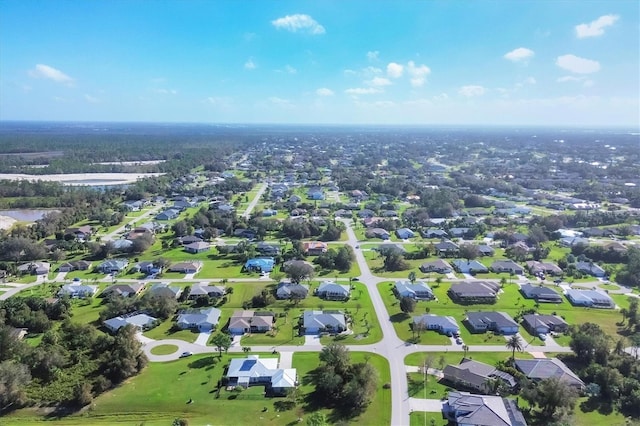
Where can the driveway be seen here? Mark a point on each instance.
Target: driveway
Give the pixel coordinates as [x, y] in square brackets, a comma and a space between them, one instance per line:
[312, 340]
[285, 359]
[203, 338]
[428, 405]
[189, 276]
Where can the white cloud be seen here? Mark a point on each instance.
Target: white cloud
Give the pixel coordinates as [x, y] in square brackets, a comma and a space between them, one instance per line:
[369, 72]
[250, 65]
[219, 101]
[362, 91]
[299, 22]
[373, 55]
[289, 69]
[91, 99]
[595, 28]
[569, 78]
[577, 64]
[394, 70]
[165, 91]
[323, 91]
[349, 72]
[379, 82]
[50, 73]
[441, 97]
[280, 101]
[519, 54]
[418, 73]
[472, 90]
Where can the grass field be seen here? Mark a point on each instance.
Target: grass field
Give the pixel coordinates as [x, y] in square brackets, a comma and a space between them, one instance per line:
[164, 349]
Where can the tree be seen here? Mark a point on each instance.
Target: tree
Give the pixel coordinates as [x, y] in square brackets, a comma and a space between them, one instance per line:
[317, 419]
[298, 271]
[14, 377]
[551, 396]
[412, 277]
[515, 344]
[407, 304]
[469, 251]
[222, 341]
[82, 394]
[590, 343]
[337, 356]
[124, 358]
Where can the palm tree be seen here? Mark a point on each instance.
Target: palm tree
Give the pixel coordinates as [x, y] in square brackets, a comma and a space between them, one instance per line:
[515, 344]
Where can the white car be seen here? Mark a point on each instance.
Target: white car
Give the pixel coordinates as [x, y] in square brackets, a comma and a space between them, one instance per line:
[542, 336]
[185, 354]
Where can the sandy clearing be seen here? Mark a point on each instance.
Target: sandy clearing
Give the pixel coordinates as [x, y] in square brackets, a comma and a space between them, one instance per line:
[77, 179]
[6, 222]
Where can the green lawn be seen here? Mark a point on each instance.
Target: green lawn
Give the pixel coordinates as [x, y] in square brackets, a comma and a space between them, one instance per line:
[491, 358]
[163, 331]
[418, 418]
[379, 412]
[164, 349]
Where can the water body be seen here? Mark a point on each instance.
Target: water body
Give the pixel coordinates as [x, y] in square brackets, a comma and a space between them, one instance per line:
[26, 215]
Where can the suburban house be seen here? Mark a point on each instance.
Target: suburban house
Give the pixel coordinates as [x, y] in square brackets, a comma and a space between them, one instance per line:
[331, 291]
[250, 322]
[469, 266]
[468, 292]
[164, 289]
[390, 248]
[383, 234]
[475, 375]
[80, 233]
[540, 369]
[202, 320]
[314, 248]
[197, 247]
[440, 266]
[287, 290]
[589, 298]
[315, 194]
[266, 249]
[485, 250]
[447, 248]
[458, 232]
[78, 265]
[418, 290]
[434, 233]
[540, 293]
[124, 290]
[466, 409]
[167, 214]
[314, 322]
[35, 268]
[77, 290]
[405, 233]
[443, 325]
[186, 267]
[146, 267]
[113, 265]
[507, 266]
[204, 289]
[498, 322]
[259, 264]
[543, 268]
[141, 322]
[254, 370]
[537, 324]
[591, 269]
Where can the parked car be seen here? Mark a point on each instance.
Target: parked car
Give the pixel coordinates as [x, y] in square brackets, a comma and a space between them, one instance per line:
[542, 336]
[185, 354]
[459, 341]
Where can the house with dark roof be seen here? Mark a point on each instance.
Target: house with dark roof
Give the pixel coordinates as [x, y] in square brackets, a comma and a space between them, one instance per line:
[467, 409]
[201, 320]
[475, 375]
[124, 290]
[244, 321]
[540, 293]
[418, 290]
[447, 248]
[287, 290]
[434, 233]
[544, 324]
[314, 322]
[590, 268]
[267, 249]
[507, 265]
[405, 233]
[485, 250]
[590, 299]
[259, 264]
[113, 265]
[383, 234]
[197, 247]
[314, 248]
[443, 325]
[469, 292]
[329, 290]
[254, 370]
[498, 322]
[469, 266]
[165, 290]
[440, 266]
[390, 248]
[540, 369]
[543, 268]
[78, 265]
[186, 267]
[204, 289]
[168, 214]
[35, 268]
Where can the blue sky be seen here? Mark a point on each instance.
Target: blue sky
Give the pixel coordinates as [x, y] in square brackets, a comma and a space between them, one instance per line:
[365, 62]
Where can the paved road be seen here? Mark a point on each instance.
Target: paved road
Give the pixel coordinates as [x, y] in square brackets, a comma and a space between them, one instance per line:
[7, 294]
[255, 201]
[115, 235]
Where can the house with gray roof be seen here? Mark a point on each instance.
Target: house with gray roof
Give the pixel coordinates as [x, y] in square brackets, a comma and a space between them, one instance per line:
[418, 290]
[540, 293]
[440, 266]
[543, 268]
[507, 265]
[164, 289]
[443, 325]
[476, 291]
[124, 290]
[77, 290]
[590, 268]
[474, 375]
[35, 268]
[141, 322]
[314, 322]
[434, 233]
[197, 247]
[244, 321]
[331, 291]
[537, 324]
[204, 289]
[540, 369]
[186, 267]
[201, 320]
[469, 266]
[447, 248]
[467, 409]
[254, 370]
[590, 298]
[113, 265]
[287, 290]
[498, 322]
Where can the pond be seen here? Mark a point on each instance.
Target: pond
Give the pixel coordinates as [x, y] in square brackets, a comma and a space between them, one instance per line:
[26, 215]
